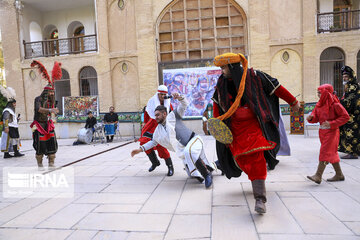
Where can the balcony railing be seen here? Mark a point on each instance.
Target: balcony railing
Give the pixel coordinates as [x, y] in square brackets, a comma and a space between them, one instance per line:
[338, 21]
[63, 46]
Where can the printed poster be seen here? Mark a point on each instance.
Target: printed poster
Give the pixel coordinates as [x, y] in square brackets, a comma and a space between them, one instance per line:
[80, 106]
[196, 84]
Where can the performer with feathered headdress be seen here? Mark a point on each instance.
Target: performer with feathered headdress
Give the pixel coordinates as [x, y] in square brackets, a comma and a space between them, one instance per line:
[44, 138]
[10, 138]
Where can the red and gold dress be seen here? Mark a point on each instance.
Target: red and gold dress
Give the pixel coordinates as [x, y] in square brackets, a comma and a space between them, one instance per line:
[249, 143]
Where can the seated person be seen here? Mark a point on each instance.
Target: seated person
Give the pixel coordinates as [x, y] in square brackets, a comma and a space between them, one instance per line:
[90, 121]
[111, 118]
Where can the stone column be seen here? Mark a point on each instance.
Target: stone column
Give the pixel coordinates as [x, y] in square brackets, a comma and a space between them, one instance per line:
[9, 26]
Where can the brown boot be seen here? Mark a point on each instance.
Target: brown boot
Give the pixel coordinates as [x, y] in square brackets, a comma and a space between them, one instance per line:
[339, 176]
[39, 159]
[259, 191]
[51, 160]
[318, 175]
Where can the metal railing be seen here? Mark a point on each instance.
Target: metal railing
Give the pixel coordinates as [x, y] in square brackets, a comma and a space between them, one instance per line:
[62, 46]
[338, 21]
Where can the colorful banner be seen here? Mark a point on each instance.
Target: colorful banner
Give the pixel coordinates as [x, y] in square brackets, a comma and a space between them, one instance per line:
[80, 106]
[297, 120]
[196, 84]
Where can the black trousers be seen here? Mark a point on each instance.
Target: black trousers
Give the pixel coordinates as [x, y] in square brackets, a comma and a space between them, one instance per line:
[14, 132]
[45, 144]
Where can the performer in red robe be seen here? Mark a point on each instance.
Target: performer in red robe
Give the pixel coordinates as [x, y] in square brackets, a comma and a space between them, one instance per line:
[331, 115]
[254, 125]
[150, 126]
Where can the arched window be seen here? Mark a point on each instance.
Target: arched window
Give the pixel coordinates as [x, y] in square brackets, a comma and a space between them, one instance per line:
[51, 47]
[331, 61]
[35, 48]
[358, 65]
[191, 30]
[88, 82]
[76, 32]
[62, 89]
[35, 32]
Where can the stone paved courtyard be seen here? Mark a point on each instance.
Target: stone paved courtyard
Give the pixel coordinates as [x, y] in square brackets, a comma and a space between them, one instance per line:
[117, 198]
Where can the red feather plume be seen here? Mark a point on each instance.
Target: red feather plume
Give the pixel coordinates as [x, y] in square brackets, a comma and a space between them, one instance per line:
[42, 70]
[56, 73]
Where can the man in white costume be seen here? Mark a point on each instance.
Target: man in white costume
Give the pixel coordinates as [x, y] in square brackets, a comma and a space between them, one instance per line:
[149, 128]
[171, 132]
[10, 138]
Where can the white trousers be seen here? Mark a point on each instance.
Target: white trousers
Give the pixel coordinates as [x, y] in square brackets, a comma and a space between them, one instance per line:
[192, 152]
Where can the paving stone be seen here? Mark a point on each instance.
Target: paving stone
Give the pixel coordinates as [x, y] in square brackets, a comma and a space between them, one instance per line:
[111, 235]
[294, 186]
[314, 218]
[5, 204]
[89, 188]
[113, 198]
[232, 222]
[196, 199]
[274, 176]
[145, 236]
[93, 180]
[81, 234]
[165, 198]
[294, 194]
[91, 171]
[109, 171]
[15, 209]
[354, 226]
[339, 204]
[34, 234]
[228, 194]
[277, 216]
[10, 200]
[133, 188]
[306, 237]
[118, 208]
[189, 226]
[182, 176]
[351, 162]
[125, 222]
[67, 217]
[39, 213]
[137, 180]
[349, 171]
[222, 179]
[350, 187]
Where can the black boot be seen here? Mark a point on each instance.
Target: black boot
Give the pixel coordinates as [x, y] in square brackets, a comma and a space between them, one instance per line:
[217, 162]
[200, 165]
[259, 191]
[16, 151]
[154, 160]
[200, 179]
[7, 155]
[170, 166]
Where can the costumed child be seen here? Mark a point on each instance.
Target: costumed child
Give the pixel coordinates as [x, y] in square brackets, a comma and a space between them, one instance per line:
[331, 115]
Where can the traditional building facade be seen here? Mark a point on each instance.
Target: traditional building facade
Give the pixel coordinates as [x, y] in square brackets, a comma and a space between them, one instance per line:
[117, 49]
